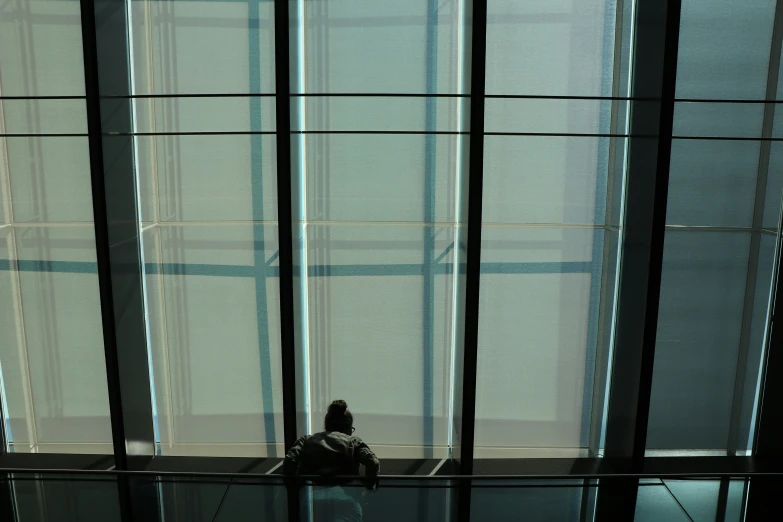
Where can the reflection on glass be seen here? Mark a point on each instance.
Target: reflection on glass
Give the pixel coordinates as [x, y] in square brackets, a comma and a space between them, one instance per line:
[654, 502]
[414, 501]
[551, 500]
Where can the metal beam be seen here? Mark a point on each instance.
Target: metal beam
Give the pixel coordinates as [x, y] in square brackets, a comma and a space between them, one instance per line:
[478, 61]
[473, 266]
[117, 235]
[110, 125]
[285, 237]
[285, 227]
[654, 77]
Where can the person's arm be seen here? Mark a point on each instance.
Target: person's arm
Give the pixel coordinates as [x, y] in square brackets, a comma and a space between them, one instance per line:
[367, 458]
[293, 459]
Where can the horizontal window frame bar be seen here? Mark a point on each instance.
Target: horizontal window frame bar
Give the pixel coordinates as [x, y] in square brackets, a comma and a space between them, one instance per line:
[390, 133]
[564, 97]
[663, 467]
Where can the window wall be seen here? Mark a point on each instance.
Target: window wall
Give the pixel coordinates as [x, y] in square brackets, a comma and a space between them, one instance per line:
[544, 262]
[50, 316]
[204, 75]
[379, 154]
[380, 141]
[721, 227]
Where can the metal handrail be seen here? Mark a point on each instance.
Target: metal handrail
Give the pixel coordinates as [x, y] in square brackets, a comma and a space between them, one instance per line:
[381, 478]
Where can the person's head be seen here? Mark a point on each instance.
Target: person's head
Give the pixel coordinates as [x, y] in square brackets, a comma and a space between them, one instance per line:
[338, 418]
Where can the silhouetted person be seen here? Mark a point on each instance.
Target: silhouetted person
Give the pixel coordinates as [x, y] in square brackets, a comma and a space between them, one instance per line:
[328, 454]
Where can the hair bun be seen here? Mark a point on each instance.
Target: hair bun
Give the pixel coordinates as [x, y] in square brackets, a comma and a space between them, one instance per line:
[338, 407]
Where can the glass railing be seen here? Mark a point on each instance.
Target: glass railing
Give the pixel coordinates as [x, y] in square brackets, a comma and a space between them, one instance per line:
[86, 496]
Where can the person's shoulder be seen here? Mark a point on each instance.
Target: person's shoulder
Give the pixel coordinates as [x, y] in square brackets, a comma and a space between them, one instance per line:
[303, 439]
[357, 441]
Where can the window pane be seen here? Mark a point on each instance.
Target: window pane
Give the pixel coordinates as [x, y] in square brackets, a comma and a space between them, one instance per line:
[378, 336]
[699, 325]
[561, 48]
[717, 255]
[217, 382]
[209, 215]
[712, 183]
[377, 215]
[51, 336]
[536, 343]
[548, 250]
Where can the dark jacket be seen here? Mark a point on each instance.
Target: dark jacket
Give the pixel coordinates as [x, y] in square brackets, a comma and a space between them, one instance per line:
[330, 453]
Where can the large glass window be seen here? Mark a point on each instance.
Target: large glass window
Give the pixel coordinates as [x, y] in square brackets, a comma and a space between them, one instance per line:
[378, 214]
[50, 317]
[209, 222]
[380, 108]
[723, 207]
[548, 250]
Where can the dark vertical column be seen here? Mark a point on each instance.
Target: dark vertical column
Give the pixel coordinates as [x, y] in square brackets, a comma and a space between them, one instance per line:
[478, 60]
[764, 493]
[284, 209]
[654, 78]
[285, 235]
[117, 238]
[110, 124]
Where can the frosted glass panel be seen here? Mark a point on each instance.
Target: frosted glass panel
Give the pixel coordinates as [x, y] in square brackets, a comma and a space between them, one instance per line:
[206, 47]
[50, 179]
[383, 113]
[545, 204]
[533, 179]
[707, 120]
[235, 114]
[536, 341]
[214, 178]
[724, 49]
[406, 46]
[545, 47]
[209, 210]
[41, 48]
[218, 382]
[51, 333]
[712, 183]
[367, 177]
[44, 116]
[380, 331]
[715, 289]
[699, 323]
[60, 307]
[377, 215]
[547, 116]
